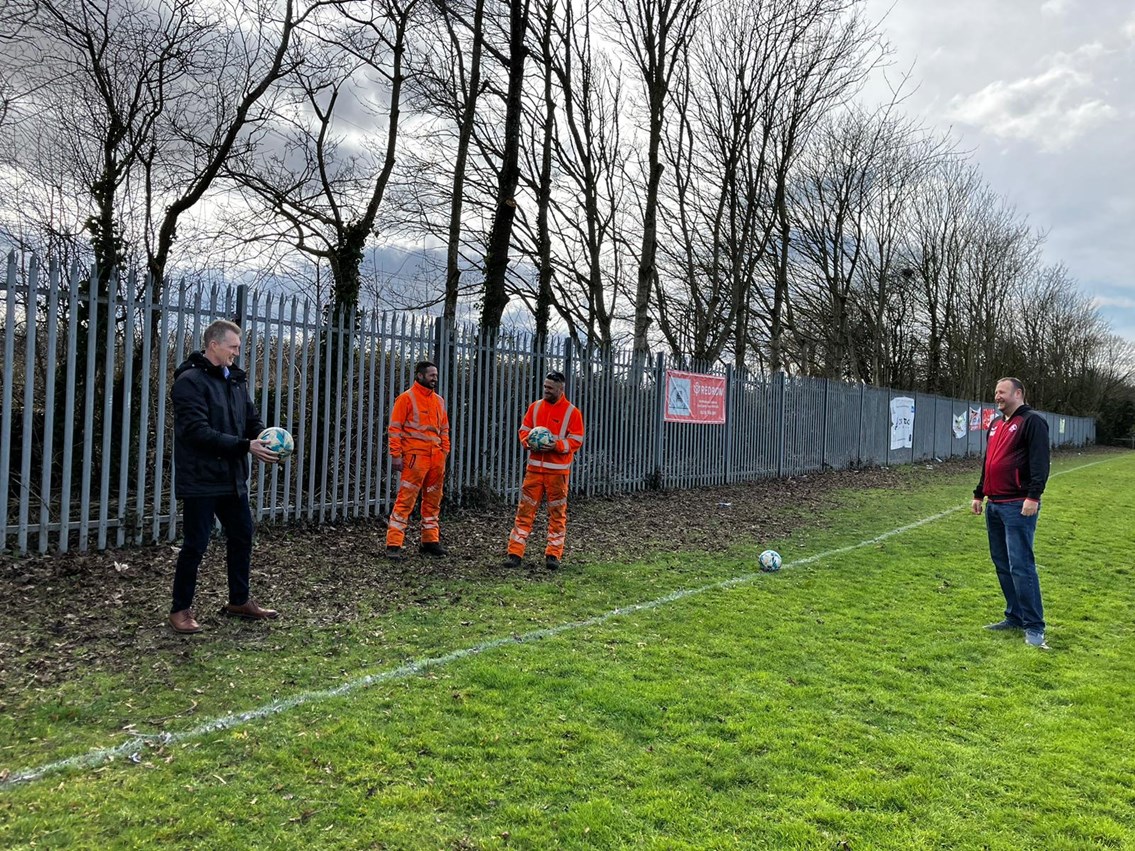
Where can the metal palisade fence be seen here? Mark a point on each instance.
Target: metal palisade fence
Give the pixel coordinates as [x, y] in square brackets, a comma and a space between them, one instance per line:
[86, 429]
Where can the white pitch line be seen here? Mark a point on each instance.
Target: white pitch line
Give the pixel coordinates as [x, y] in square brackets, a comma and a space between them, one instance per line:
[132, 748]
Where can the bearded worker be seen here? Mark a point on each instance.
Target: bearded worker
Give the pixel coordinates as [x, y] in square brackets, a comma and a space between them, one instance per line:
[549, 469]
[419, 443]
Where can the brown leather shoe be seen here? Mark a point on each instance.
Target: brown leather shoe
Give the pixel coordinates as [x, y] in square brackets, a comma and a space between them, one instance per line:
[184, 622]
[249, 611]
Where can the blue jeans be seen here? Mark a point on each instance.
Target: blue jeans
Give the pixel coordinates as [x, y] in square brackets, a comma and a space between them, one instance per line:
[1011, 547]
[197, 525]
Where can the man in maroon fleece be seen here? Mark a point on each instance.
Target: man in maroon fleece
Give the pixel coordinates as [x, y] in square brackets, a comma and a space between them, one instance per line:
[1012, 481]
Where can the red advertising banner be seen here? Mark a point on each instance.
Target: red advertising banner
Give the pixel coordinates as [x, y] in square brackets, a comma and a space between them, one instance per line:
[694, 398]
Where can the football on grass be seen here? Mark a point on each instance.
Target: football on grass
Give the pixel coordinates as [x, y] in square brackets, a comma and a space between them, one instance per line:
[769, 560]
[279, 441]
[540, 439]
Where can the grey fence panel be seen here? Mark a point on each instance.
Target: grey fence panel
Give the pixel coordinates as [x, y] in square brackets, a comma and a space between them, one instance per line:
[874, 427]
[9, 374]
[68, 409]
[123, 365]
[87, 471]
[922, 431]
[143, 414]
[30, 323]
[126, 406]
[804, 431]
[341, 345]
[107, 400]
[274, 502]
[841, 444]
[756, 447]
[942, 434]
[254, 353]
[369, 454]
[48, 454]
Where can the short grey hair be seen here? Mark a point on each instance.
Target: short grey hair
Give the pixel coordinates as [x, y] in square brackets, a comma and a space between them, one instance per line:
[218, 330]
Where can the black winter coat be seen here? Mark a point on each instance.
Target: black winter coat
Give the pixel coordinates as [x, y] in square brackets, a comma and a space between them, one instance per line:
[213, 422]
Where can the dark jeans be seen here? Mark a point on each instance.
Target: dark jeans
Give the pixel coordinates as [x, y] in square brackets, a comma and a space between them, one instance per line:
[1011, 546]
[197, 525]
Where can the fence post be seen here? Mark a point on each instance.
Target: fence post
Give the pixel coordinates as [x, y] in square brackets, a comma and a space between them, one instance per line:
[913, 448]
[824, 428]
[859, 428]
[782, 431]
[569, 384]
[6, 403]
[729, 465]
[659, 418]
[241, 304]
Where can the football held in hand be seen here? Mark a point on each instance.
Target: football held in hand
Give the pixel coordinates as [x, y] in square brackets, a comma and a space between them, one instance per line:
[279, 441]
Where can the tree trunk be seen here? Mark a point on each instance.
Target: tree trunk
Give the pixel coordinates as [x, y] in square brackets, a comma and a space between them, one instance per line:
[496, 254]
[468, 111]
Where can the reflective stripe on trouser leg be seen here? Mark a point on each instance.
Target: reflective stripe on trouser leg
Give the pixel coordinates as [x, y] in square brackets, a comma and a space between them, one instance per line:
[431, 500]
[556, 488]
[531, 492]
[408, 487]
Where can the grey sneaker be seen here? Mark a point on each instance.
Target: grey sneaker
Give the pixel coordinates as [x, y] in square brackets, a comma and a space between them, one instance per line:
[1003, 625]
[1035, 638]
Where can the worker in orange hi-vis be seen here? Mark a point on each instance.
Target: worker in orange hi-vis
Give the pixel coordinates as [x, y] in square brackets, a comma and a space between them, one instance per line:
[419, 444]
[548, 470]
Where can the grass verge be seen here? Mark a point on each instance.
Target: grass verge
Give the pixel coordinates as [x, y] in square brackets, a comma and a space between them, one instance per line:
[851, 701]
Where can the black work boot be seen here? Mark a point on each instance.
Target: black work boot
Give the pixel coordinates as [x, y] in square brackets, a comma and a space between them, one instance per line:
[552, 562]
[433, 548]
[394, 553]
[513, 560]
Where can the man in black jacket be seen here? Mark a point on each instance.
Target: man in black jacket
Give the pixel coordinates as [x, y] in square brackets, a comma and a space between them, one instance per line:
[1012, 480]
[216, 428]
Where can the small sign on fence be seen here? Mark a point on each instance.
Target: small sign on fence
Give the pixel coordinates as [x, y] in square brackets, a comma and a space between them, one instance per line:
[694, 398]
[902, 422]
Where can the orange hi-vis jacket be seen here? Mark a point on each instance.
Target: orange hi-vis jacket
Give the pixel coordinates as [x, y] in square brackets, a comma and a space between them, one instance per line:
[419, 424]
[565, 422]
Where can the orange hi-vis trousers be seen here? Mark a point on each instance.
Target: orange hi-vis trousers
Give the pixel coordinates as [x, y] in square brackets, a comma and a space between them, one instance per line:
[422, 474]
[538, 486]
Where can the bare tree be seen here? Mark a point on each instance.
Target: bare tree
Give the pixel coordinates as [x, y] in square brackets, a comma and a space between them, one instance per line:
[938, 244]
[833, 51]
[235, 72]
[887, 296]
[16, 34]
[718, 158]
[448, 81]
[495, 298]
[117, 67]
[655, 33]
[541, 121]
[326, 193]
[573, 167]
[851, 167]
[142, 103]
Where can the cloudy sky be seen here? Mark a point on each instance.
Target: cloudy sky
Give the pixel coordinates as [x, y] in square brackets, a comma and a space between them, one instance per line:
[1043, 93]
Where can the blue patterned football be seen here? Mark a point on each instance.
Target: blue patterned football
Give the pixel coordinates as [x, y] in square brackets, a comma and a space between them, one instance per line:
[541, 439]
[769, 560]
[279, 441]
